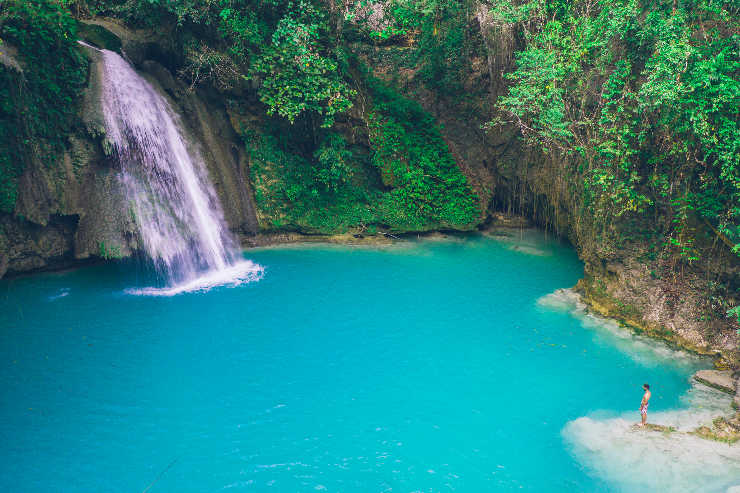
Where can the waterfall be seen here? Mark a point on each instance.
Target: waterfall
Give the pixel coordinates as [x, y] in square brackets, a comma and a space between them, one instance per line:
[179, 218]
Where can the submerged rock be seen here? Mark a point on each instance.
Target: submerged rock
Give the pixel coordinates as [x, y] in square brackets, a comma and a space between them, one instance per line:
[722, 429]
[720, 380]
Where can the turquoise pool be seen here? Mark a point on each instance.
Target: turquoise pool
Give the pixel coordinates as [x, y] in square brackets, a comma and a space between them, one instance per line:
[434, 365]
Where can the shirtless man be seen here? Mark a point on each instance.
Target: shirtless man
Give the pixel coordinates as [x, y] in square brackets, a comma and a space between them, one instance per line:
[644, 403]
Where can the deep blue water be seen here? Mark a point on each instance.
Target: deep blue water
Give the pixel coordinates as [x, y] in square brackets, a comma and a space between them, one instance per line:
[428, 366]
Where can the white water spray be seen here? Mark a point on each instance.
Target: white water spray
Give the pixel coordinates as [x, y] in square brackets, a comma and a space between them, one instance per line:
[179, 218]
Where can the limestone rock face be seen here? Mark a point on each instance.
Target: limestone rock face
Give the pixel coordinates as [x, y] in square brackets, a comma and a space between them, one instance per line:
[630, 291]
[71, 208]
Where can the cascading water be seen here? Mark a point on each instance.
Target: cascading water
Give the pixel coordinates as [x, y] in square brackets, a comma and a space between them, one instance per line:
[180, 222]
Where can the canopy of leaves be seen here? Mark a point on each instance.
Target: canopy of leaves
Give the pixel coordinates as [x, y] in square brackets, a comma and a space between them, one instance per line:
[286, 48]
[296, 75]
[436, 34]
[642, 99]
[37, 107]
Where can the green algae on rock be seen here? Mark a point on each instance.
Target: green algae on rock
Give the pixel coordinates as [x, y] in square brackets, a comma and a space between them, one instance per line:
[654, 427]
[723, 429]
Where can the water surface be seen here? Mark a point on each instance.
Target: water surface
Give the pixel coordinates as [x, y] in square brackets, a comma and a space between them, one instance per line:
[427, 366]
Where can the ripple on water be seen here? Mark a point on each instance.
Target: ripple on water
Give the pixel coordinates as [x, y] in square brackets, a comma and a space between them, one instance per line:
[59, 294]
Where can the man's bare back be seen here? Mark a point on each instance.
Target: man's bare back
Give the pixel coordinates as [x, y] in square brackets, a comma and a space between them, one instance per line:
[644, 404]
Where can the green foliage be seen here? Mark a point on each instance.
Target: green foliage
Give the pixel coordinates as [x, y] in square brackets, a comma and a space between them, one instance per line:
[408, 182]
[109, 252]
[440, 39]
[153, 13]
[734, 312]
[11, 140]
[293, 192]
[285, 47]
[294, 75]
[443, 49]
[427, 188]
[641, 99]
[334, 163]
[37, 108]
[291, 54]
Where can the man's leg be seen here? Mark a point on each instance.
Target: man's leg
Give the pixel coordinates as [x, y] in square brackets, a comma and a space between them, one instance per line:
[644, 417]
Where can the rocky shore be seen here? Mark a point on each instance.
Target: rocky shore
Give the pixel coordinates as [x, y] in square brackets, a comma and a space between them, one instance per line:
[722, 429]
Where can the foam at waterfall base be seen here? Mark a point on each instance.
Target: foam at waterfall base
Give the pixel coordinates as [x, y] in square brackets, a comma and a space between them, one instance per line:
[640, 460]
[234, 275]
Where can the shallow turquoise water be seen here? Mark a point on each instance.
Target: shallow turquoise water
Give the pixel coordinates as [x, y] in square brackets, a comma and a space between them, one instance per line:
[428, 366]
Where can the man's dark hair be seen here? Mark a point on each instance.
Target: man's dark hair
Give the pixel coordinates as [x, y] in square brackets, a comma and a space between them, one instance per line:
[646, 386]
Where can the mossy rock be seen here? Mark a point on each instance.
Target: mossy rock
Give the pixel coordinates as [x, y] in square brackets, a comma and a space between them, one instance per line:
[98, 36]
[720, 380]
[654, 427]
[718, 436]
[723, 429]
